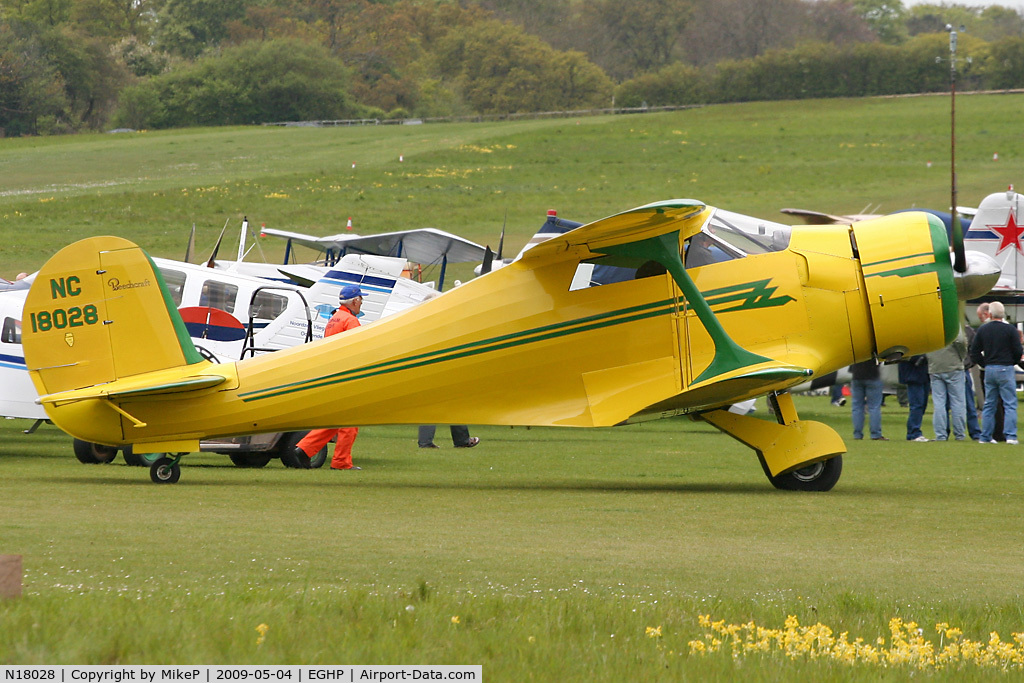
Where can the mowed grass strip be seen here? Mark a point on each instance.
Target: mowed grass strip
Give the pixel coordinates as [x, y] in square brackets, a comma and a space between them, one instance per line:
[473, 179]
[569, 537]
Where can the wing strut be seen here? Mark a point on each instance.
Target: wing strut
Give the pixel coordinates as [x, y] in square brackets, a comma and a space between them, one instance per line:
[664, 249]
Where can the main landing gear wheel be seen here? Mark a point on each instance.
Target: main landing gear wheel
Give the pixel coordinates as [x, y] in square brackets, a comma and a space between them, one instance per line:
[165, 471]
[250, 459]
[93, 453]
[818, 476]
[287, 445]
[139, 459]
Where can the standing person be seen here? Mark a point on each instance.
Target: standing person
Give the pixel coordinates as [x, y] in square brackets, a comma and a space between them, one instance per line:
[913, 372]
[460, 436]
[350, 302]
[835, 392]
[997, 424]
[973, 426]
[946, 371]
[997, 349]
[866, 391]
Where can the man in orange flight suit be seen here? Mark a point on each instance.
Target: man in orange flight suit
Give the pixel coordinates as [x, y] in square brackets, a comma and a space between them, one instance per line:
[350, 300]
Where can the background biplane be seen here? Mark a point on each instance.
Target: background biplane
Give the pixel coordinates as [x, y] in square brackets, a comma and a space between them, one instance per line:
[680, 335]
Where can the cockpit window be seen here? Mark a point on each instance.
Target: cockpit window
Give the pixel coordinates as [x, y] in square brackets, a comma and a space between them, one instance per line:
[702, 249]
[175, 281]
[218, 295]
[267, 305]
[11, 331]
[595, 274]
[748, 234]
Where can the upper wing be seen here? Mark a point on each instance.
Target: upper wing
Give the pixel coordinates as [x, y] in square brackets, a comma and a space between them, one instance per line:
[424, 245]
[635, 225]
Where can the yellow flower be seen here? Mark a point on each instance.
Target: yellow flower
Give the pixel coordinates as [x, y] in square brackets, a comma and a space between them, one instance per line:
[455, 619]
[653, 632]
[262, 630]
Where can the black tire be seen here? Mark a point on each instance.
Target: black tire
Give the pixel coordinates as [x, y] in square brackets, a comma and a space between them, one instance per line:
[250, 459]
[288, 442]
[819, 476]
[93, 453]
[318, 460]
[139, 459]
[165, 471]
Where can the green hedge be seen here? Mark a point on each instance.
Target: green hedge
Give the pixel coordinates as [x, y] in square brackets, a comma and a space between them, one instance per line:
[817, 70]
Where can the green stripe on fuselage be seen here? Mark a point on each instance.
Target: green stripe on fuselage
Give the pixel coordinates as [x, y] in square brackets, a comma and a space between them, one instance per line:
[542, 333]
[753, 293]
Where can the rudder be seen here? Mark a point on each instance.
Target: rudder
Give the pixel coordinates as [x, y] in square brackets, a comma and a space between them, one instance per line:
[99, 311]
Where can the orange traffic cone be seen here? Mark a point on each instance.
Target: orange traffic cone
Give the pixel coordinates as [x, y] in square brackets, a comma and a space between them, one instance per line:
[348, 226]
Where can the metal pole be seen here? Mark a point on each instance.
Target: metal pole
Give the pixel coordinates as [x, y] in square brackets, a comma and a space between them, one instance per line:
[959, 258]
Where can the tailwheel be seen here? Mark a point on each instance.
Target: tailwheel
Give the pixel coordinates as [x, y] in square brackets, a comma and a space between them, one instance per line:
[818, 476]
[165, 470]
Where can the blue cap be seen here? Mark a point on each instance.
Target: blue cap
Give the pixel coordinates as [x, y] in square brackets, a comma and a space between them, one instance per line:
[349, 292]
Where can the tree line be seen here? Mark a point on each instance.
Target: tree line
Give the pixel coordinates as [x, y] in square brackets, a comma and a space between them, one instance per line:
[70, 65]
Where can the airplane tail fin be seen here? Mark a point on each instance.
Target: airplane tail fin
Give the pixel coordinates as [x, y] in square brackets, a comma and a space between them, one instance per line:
[99, 311]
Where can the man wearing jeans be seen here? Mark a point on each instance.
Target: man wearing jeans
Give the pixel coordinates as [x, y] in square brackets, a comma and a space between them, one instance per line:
[997, 349]
[946, 370]
[866, 392]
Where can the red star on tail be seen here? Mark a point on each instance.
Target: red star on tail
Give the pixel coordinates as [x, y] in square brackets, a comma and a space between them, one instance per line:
[1009, 234]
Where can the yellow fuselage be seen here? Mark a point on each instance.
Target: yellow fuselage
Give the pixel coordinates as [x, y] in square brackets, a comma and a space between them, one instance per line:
[518, 347]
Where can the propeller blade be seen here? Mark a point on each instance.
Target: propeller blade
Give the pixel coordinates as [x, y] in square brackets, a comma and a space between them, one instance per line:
[191, 246]
[216, 247]
[488, 262]
[501, 242]
[959, 257]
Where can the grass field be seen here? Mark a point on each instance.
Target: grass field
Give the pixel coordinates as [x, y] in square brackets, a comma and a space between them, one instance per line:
[556, 550]
[542, 554]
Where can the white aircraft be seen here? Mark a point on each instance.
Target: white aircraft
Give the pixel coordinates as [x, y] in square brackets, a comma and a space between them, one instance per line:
[228, 315]
[997, 229]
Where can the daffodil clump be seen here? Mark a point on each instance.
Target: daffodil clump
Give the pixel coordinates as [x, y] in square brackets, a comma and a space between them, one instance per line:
[906, 646]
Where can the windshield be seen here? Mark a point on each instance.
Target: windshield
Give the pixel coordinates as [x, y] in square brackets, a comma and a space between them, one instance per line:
[748, 234]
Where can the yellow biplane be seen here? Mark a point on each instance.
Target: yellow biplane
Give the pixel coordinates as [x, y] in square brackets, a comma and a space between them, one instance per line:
[702, 308]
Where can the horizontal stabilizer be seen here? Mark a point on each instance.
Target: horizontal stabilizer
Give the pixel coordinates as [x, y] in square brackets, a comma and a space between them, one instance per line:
[132, 388]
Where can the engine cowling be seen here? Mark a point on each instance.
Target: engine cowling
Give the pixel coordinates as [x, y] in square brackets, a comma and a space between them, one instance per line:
[905, 283]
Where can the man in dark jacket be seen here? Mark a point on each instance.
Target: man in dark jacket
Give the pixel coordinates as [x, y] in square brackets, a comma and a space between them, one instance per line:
[997, 349]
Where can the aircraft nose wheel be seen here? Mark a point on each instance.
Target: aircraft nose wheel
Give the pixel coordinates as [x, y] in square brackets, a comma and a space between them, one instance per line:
[165, 470]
